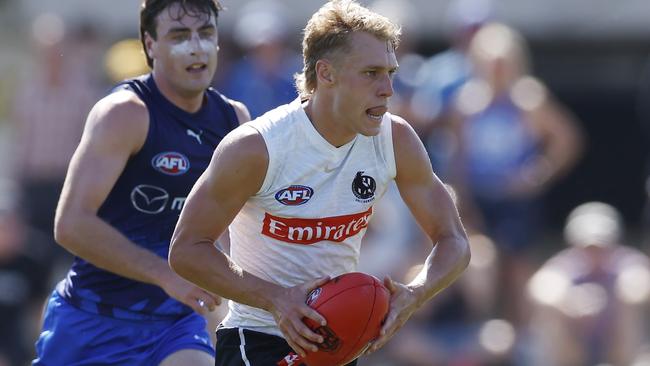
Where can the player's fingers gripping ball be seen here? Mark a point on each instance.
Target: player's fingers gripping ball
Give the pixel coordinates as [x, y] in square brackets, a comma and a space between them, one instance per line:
[355, 306]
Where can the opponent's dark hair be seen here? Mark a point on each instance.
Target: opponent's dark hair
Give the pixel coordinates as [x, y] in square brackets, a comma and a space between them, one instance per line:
[150, 10]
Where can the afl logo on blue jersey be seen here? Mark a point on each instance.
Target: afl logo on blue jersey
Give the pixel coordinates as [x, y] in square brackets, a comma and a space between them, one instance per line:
[171, 163]
[294, 195]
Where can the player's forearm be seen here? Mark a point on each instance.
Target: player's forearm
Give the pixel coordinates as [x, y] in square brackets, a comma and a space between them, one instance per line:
[443, 266]
[209, 268]
[90, 238]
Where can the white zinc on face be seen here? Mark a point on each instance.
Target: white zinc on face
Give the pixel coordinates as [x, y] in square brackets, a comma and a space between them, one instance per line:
[194, 46]
[185, 51]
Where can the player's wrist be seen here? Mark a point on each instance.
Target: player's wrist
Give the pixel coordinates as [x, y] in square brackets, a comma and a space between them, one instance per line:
[270, 297]
[162, 276]
[418, 294]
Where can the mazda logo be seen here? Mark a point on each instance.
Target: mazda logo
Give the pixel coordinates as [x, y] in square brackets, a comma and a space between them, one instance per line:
[149, 199]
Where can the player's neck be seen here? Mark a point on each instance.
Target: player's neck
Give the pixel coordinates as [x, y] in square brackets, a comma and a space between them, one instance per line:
[322, 118]
[189, 102]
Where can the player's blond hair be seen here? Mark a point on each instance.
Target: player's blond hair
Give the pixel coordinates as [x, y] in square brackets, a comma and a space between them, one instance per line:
[328, 31]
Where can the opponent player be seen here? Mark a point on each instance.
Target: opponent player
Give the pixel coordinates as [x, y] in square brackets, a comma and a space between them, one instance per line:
[299, 185]
[143, 147]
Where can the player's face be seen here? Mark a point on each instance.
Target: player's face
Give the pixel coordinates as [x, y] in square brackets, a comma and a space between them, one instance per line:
[185, 51]
[364, 82]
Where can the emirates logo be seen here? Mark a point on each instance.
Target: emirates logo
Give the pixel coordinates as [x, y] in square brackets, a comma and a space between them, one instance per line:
[310, 231]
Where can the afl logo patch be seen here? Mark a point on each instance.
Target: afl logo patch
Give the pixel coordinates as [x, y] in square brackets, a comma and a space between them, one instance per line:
[294, 195]
[171, 163]
[363, 187]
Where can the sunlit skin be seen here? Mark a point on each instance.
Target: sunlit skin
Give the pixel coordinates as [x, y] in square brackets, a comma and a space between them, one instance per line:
[353, 89]
[185, 55]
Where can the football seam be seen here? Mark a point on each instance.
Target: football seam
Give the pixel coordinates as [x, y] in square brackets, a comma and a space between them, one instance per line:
[372, 310]
[342, 291]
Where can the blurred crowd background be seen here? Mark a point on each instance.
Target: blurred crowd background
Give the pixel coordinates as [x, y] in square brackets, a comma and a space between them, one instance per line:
[536, 113]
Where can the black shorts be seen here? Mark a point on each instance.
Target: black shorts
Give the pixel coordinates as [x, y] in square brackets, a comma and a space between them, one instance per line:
[243, 347]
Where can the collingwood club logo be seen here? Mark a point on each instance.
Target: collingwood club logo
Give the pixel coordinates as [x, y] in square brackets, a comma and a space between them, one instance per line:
[363, 187]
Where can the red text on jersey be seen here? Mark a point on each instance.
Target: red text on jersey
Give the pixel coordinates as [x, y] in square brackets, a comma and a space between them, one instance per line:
[310, 231]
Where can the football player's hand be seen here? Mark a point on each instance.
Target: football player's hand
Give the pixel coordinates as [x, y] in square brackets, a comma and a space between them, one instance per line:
[289, 308]
[199, 300]
[402, 305]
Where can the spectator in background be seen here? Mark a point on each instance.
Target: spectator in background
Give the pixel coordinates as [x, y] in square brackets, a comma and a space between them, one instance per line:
[47, 116]
[442, 75]
[263, 78]
[590, 301]
[24, 265]
[513, 142]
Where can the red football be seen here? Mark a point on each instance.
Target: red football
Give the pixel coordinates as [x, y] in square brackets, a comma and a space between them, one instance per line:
[355, 306]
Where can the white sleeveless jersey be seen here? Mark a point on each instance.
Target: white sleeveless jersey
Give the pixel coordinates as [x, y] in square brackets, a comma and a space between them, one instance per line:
[309, 216]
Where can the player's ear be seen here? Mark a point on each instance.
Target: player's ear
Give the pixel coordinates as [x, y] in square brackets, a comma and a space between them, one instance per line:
[325, 72]
[150, 44]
